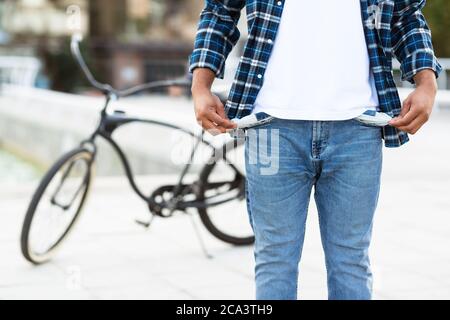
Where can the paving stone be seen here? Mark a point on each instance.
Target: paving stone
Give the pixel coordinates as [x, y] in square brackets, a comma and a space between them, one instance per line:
[110, 257]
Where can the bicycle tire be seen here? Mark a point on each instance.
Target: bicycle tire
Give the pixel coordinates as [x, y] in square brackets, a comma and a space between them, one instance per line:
[30, 214]
[206, 219]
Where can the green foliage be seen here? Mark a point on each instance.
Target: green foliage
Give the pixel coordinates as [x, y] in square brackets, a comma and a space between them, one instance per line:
[437, 13]
[62, 68]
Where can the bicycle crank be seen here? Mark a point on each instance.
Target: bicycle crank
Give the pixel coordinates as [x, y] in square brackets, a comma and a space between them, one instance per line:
[165, 202]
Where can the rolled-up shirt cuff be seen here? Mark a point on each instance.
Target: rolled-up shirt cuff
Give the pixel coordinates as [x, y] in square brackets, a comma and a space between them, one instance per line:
[418, 61]
[204, 58]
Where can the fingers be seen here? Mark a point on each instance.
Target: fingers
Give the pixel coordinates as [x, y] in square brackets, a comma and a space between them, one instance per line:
[220, 108]
[213, 122]
[416, 110]
[211, 127]
[220, 121]
[210, 119]
[406, 107]
[415, 125]
[210, 113]
[407, 119]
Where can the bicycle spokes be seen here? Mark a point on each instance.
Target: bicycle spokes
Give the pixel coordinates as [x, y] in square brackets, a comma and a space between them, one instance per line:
[59, 205]
[224, 190]
[73, 172]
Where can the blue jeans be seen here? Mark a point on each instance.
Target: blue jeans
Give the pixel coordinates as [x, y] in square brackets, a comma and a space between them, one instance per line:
[284, 160]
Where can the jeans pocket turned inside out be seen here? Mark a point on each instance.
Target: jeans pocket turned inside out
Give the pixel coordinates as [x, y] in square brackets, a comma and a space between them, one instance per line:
[256, 121]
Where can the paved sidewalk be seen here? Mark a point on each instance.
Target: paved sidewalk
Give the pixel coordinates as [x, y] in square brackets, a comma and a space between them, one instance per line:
[109, 256]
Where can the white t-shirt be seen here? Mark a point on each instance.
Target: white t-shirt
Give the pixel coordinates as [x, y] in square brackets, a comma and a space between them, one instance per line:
[319, 68]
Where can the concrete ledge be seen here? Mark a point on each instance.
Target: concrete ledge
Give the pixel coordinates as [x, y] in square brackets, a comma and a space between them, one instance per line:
[29, 117]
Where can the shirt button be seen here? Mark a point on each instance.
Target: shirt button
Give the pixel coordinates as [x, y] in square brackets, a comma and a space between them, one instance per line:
[279, 3]
[270, 41]
[259, 76]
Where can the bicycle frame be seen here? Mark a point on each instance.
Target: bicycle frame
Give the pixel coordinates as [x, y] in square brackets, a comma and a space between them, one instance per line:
[213, 186]
[110, 122]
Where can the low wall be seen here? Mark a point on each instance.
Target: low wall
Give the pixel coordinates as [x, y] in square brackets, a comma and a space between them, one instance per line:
[41, 125]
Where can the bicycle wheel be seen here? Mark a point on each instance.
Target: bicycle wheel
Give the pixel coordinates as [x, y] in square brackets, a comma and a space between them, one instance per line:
[222, 188]
[56, 205]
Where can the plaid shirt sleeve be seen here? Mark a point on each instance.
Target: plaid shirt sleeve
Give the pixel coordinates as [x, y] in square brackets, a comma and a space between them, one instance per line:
[411, 39]
[216, 35]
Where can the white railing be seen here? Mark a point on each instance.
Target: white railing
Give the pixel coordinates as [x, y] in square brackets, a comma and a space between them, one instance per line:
[21, 71]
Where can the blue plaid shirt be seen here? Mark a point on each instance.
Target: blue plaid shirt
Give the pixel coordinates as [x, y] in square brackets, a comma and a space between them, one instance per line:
[392, 29]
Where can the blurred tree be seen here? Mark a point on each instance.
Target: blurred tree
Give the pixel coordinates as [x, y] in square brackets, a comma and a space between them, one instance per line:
[107, 18]
[438, 16]
[60, 67]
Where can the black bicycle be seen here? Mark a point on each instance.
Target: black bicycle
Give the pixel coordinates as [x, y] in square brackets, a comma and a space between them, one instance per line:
[218, 188]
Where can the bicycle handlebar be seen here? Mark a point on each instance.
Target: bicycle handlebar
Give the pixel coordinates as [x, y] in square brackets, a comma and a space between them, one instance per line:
[108, 89]
[75, 49]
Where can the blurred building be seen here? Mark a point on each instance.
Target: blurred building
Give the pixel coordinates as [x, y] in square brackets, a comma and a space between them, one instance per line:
[128, 41]
[31, 18]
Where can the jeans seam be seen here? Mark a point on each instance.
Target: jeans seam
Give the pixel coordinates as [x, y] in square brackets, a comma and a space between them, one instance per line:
[305, 210]
[326, 135]
[323, 234]
[249, 211]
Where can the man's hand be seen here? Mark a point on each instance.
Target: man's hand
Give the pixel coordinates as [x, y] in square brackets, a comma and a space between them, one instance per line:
[210, 113]
[209, 110]
[417, 108]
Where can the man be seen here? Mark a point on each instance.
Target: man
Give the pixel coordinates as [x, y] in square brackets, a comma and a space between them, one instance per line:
[315, 67]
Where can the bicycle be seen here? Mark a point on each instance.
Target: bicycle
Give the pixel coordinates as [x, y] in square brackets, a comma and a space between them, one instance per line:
[62, 193]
